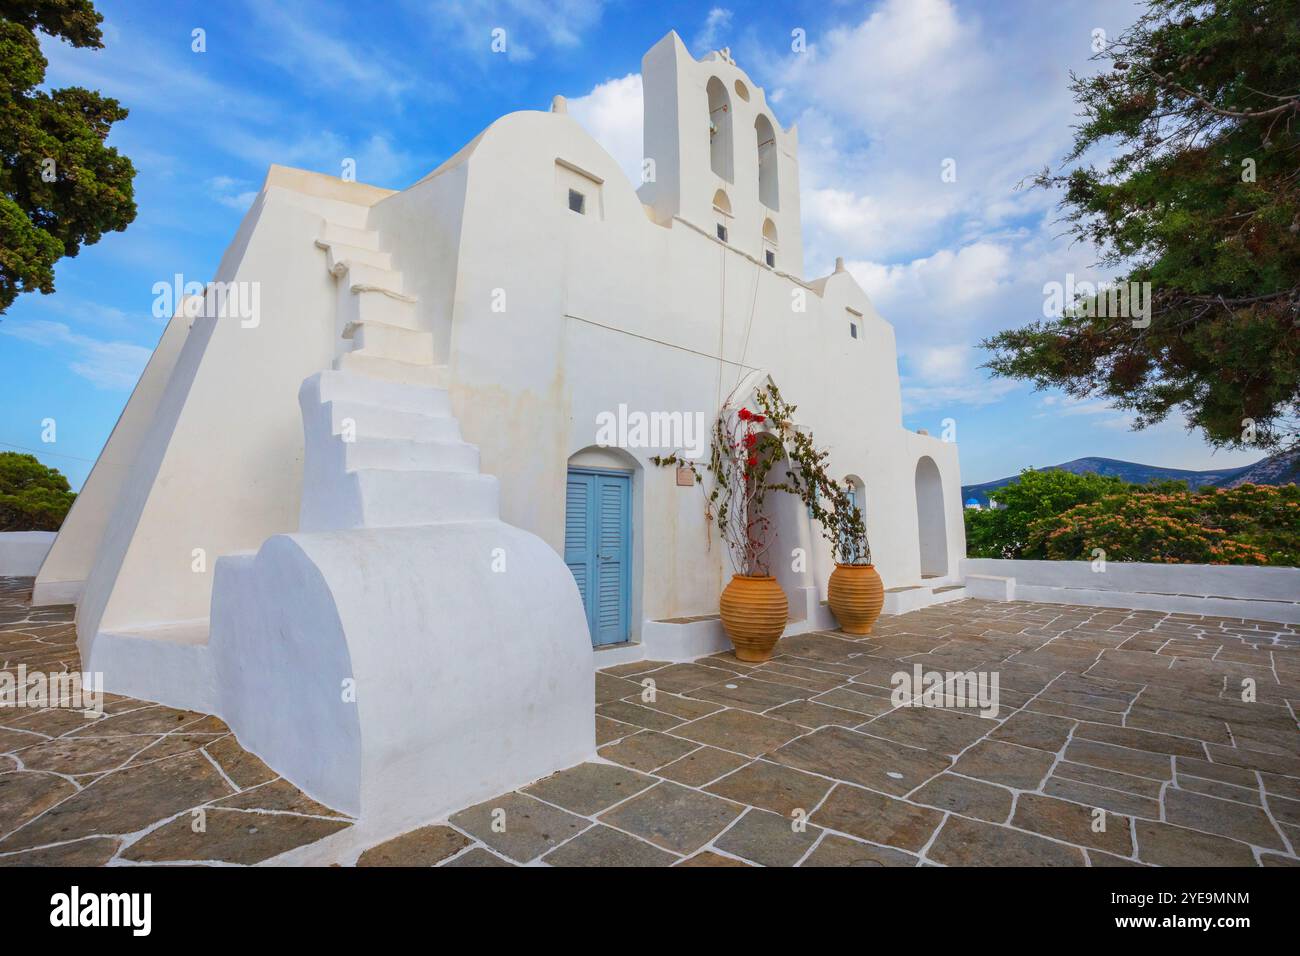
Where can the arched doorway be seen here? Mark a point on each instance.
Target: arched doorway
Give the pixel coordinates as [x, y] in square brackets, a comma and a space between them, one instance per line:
[931, 532]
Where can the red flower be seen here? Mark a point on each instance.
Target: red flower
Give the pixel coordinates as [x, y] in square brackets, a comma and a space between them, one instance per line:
[752, 462]
[745, 415]
[751, 440]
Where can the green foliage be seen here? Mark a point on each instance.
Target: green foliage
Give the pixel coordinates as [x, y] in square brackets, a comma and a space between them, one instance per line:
[50, 209]
[32, 496]
[1252, 524]
[1198, 109]
[1004, 532]
[1054, 515]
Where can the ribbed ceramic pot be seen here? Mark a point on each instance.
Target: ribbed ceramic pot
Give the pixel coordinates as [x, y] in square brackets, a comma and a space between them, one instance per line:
[754, 611]
[856, 595]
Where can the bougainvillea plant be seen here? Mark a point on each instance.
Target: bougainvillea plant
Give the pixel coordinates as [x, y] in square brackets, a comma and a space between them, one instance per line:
[829, 503]
[754, 452]
[742, 454]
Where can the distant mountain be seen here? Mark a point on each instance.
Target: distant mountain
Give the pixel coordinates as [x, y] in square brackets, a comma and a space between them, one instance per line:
[1279, 469]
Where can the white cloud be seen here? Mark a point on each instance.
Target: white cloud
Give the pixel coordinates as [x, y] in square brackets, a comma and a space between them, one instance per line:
[611, 113]
[109, 365]
[378, 161]
[945, 286]
[95, 315]
[142, 75]
[718, 20]
[381, 164]
[942, 363]
[1073, 405]
[903, 55]
[971, 394]
[882, 104]
[239, 202]
[531, 26]
[235, 193]
[323, 57]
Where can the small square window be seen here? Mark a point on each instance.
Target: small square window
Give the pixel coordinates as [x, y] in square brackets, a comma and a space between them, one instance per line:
[853, 329]
[722, 232]
[577, 202]
[770, 256]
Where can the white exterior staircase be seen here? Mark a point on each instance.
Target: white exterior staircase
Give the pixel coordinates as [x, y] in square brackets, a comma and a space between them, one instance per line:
[390, 576]
[382, 446]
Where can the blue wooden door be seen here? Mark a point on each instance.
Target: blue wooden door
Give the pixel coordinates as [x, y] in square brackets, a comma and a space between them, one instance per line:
[597, 549]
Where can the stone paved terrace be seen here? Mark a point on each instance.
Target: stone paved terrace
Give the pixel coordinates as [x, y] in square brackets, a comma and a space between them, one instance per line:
[1136, 715]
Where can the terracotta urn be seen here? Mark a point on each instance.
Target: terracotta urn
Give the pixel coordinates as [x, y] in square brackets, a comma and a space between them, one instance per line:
[754, 611]
[856, 595]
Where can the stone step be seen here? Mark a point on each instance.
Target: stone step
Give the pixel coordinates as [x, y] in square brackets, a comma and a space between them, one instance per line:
[350, 386]
[405, 373]
[382, 340]
[403, 454]
[349, 212]
[360, 276]
[954, 592]
[371, 305]
[340, 256]
[347, 235]
[391, 498]
[901, 600]
[381, 421]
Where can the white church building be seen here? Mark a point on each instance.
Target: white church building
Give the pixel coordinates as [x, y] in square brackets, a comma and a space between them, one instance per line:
[370, 521]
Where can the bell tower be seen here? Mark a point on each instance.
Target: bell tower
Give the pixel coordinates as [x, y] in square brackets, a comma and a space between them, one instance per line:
[718, 156]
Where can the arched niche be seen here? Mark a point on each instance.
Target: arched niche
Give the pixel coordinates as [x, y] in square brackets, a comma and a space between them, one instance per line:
[765, 139]
[789, 553]
[857, 490]
[932, 535]
[720, 145]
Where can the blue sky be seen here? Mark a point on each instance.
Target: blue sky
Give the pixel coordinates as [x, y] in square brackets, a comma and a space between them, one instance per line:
[884, 93]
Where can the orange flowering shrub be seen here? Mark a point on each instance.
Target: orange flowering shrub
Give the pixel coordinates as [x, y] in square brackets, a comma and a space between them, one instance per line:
[1252, 524]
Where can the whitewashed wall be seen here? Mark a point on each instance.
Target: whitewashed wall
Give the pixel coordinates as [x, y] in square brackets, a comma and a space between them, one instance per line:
[1258, 593]
[21, 552]
[609, 309]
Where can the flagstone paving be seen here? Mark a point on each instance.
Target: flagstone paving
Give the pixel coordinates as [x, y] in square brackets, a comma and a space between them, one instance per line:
[1123, 738]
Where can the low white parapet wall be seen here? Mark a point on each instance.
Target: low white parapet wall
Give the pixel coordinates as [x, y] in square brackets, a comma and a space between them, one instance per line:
[21, 552]
[1217, 590]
